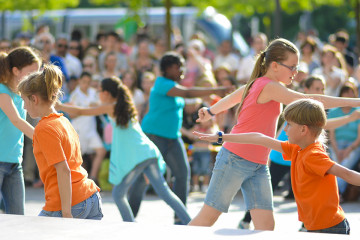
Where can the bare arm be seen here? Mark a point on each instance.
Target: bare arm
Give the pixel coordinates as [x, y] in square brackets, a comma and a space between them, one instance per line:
[339, 121]
[64, 183]
[180, 91]
[348, 175]
[245, 138]
[225, 103]
[7, 105]
[286, 96]
[91, 111]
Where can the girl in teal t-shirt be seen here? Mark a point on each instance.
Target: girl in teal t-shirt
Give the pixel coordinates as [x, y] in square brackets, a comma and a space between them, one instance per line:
[132, 152]
[14, 66]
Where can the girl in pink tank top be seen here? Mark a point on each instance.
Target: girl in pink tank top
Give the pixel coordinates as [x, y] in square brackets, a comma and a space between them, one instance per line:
[244, 166]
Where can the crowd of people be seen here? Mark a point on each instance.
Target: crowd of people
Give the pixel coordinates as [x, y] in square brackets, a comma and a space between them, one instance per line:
[121, 97]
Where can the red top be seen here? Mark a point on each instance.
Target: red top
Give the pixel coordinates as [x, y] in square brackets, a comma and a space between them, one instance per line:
[255, 117]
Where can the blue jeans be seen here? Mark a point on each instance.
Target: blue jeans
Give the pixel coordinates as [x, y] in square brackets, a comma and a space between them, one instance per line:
[200, 164]
[174, 154]
[341, 228]
[152, 171]
[12, 187]
[349, 162]
[90, 208]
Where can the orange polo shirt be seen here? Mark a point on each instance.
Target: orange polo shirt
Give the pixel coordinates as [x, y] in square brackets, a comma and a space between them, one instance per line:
[54, 141]
[315, 191]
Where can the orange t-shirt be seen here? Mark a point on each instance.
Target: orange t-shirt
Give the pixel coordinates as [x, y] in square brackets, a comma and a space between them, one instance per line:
[54, 141]
[316, 192]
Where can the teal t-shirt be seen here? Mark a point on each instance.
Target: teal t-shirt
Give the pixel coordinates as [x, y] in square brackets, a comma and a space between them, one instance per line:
[129, 147]
[347, 132]
[276, 156]
[11, 138]
[165, 114]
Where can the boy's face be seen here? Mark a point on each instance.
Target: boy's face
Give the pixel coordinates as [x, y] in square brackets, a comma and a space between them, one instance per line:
[293, 131]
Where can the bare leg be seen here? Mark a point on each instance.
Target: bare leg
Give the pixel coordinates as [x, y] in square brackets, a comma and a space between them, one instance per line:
[99, 156]
[206, 217]
[263, 219]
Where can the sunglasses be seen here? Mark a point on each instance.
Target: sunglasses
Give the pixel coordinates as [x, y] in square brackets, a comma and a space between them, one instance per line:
[296, 68]
[62, 45]
[45, 41]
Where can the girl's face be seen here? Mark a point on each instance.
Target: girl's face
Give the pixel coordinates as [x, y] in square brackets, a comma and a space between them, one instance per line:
[317, 87]
[29, 106]
[287, 69]
[20, 74]
[293, 131]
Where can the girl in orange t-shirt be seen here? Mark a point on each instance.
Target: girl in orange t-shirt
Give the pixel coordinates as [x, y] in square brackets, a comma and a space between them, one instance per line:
[68, 191]
[313, 173]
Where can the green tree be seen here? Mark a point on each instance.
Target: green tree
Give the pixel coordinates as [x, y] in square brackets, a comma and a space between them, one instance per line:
[36, 4]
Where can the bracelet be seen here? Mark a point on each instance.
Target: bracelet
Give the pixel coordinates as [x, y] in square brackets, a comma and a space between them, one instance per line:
[208, 110]
[220, 138]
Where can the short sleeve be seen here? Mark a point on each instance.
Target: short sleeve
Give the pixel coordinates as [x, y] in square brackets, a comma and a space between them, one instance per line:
[288, 150]
[318, 163]
[163, 86]
[48, 140]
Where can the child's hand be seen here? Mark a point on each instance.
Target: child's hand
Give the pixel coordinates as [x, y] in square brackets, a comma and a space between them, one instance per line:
[203, 115]
[206, 137]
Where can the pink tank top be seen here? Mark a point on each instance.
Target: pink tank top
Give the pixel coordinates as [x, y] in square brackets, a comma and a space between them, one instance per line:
[255, 117]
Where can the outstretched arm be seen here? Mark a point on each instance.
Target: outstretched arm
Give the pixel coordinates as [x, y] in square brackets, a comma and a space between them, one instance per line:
[245, 138]
[286, 96]
[348, 175]
[91, 111]
[225, 103]
[339, 121]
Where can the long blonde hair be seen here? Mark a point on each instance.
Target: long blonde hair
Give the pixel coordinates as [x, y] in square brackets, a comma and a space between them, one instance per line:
[276, 51]
[46, 83]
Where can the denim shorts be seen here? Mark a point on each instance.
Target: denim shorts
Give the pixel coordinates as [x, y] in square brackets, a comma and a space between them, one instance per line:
[90, 208]
[232, 173]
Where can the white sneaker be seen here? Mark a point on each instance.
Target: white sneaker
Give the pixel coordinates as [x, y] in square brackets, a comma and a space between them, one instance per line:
[196, 188]
[243, 225]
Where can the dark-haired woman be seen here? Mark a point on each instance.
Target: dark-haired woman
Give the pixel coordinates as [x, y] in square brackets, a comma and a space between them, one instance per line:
[132, 153]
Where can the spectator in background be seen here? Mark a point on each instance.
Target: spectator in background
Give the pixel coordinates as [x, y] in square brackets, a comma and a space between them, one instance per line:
[110, 66]
[148, 80]
[225, 55]
[258, 44]
[143, 61]
[129, 79]
[111, 41]
[45, 43]
[308, 49]
[75, 49]
[5, 45]
[333, 75]
[72, 63]
[85, 126]
[341, 42]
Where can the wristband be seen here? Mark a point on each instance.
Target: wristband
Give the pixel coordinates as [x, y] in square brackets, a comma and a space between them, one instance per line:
[208, 110]
[220, 138]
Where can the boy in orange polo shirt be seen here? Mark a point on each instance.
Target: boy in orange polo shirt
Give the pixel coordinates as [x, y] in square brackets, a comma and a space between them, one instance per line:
[313, 173]
[68, 191]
